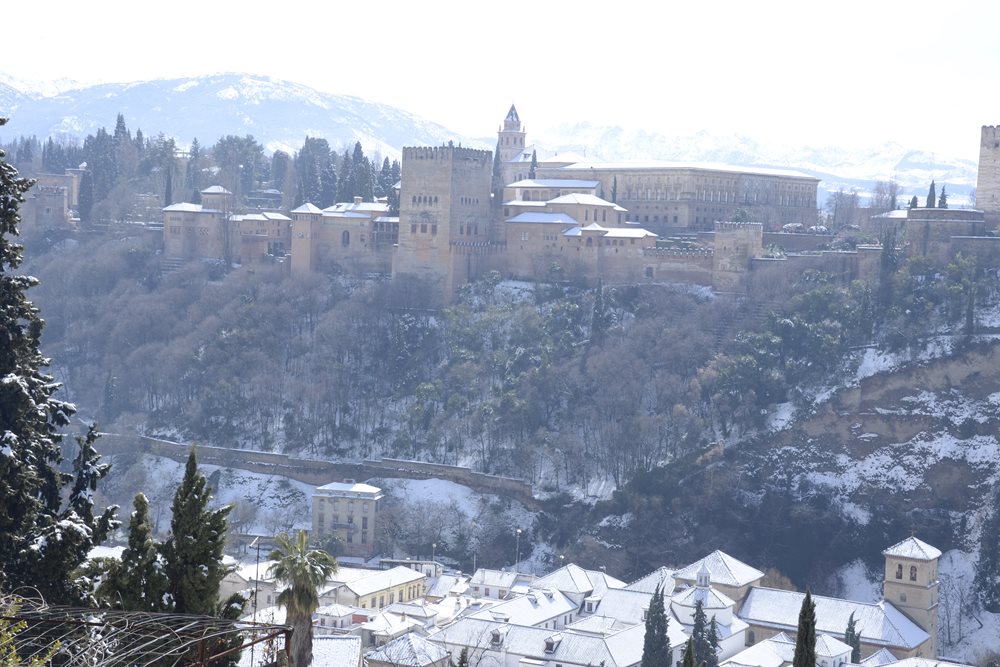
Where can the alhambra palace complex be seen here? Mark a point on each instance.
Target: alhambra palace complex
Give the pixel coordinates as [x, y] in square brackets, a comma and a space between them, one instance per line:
[654, 222]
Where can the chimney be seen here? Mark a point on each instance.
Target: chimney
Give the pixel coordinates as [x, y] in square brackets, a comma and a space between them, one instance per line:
[357, 200]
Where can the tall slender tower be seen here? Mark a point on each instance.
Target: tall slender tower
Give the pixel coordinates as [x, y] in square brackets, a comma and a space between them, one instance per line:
[510, 141]
[988, 182]
[911, 585]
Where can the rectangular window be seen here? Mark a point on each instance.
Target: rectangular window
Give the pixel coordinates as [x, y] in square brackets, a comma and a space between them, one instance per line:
[364, 522]
[423, 227]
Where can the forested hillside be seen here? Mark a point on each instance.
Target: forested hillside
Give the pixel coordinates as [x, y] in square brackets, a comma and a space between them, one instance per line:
[668, 394]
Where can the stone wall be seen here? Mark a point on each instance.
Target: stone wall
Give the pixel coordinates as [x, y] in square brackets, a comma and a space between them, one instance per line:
[988, 181]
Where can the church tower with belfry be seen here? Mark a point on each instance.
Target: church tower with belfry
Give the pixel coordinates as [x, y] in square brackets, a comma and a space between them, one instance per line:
[911, 585]
[510, 144]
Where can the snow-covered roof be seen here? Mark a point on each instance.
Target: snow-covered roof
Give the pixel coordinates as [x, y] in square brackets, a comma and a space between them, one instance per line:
[186, 207]
[393, 625]
[335, 610]
[880, 624]
[598, 625]
[554, 183]
[335, 650]
[623, 605]
[585, 199]
[772, 652]
[829, 647]
[879, 658]
[307, 208]
[535, 608]
[382, 580]
[410, 650]
[105, 552]
[723, 569]
[569, 157]
[538, 217]
[499, 578]
[913, 548]
[412, 609]
[628, 233]
[368, 206]
[354, 215]
[893, 214]
[264, 217]
[660, 577]
[926, 662]
[448, 584]
[693, 166]
[215, 190]
[620, 648]
[709, 598]
[349, 487]
[573, 579]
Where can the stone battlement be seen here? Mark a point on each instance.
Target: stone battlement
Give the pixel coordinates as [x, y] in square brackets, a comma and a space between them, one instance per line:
[446, 153]
[733, 226]
[676, 252]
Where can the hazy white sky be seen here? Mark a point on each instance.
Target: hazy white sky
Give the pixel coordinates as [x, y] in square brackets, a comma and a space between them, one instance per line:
[848, 73]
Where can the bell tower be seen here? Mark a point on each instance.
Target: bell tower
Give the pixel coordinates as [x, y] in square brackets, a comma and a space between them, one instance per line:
[911, 585]
[510, 144]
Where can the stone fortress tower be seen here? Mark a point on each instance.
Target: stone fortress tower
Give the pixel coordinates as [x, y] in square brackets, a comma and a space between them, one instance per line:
[988, 181]
[911, 584]
[446, 235]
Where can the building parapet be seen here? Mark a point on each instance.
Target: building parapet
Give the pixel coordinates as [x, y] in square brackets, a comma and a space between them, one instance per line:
[737, 225]
[445, 152]
[676, 252]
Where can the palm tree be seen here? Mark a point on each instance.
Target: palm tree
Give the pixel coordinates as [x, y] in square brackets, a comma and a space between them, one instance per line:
[304, 570]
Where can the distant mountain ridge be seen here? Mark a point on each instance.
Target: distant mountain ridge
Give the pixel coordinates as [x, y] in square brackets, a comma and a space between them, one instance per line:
[280, 114]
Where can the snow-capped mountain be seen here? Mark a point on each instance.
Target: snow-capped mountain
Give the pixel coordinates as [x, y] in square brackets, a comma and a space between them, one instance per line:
[838, 168]
[279, 114]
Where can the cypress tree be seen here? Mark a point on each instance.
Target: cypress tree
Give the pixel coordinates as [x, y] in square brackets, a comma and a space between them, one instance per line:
[655, 644]
[914, 202]
[193, 552]
[987, 581]
[805, 636]
[712, 658]
[497, 182]
[703, 648]
[43, 539]
[533, 168]
[943, 199]
[853, 639]
[931, 196]
[689, 652]
[138, 582]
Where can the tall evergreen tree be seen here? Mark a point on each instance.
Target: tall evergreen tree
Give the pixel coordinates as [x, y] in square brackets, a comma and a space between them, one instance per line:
[942, 201]
[931, 196]
[914, 202]
[704, 650]
[689, 654]
[463, 658]
[43, 539]
[614, 190]
[853, 639]
[137, 582]
[193, 552]
[712, 659]
[987, 581]
[533, 167]
[497, 181]
[805, 636]
[304, 570]
[655, 643]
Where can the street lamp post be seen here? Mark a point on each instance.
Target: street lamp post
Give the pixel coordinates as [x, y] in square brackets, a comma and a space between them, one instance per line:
[434, 547]
[517, 558]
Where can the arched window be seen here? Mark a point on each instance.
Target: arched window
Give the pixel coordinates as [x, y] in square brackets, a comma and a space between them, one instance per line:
[913, 573]
[345, 238]
[899, 571]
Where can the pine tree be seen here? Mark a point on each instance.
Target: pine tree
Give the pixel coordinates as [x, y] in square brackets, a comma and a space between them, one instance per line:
[193, 552]
[42, 539]
[304, 570]
[805, 637]
[137, 582]
[932, 196]
[987, 580]
[853, 639]
[655, 643]
[943, 199]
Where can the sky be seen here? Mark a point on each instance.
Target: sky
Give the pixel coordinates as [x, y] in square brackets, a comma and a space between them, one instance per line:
[846, 73]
